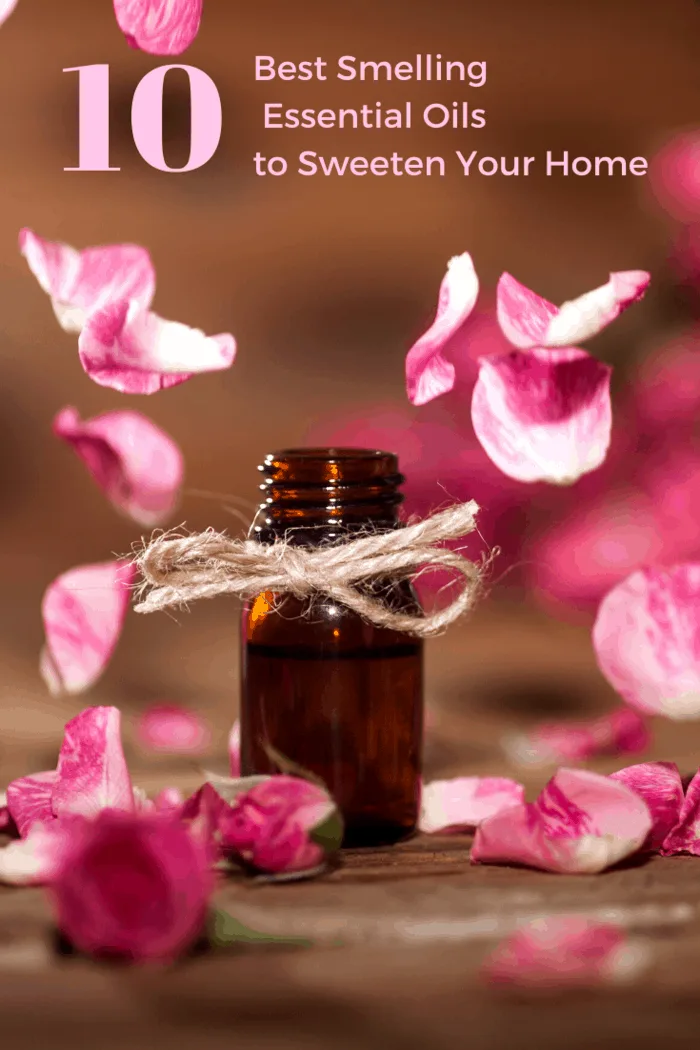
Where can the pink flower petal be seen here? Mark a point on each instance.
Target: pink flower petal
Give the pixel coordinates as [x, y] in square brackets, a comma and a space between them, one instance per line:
[134, 351]
[160, 27]
[647, 640]
[622, 732]
[660, 785]
[174, 730]
[684, 837]
[543, 415]
[464, 802]
[80, 282]
[136, 464]
[564, 950]
[6, 9]
[29, 800]
[585, 553]
[667, 386]
[675, 176]
[234, 749]
[92, 774]
[83, 612]
[429, 372]
[580, 823]
[530, 321]
[35, 859]
[7, 824]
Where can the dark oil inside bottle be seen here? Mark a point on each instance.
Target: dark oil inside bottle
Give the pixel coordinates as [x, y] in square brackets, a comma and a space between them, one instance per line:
[330, 691]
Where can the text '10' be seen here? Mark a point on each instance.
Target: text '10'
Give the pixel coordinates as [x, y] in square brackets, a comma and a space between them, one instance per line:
[146, 118]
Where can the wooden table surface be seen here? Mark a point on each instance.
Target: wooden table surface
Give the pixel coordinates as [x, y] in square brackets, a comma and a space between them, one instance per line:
[415, 921]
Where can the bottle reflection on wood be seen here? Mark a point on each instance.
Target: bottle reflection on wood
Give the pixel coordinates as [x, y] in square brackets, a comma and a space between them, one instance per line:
[331, 692]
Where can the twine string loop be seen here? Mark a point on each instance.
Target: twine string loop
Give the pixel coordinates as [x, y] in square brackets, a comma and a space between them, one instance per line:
[177, 569]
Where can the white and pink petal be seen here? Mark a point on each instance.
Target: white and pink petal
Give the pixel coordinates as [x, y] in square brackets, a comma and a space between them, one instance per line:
[159, 27]
[581, 823]
[29, 800]
[35, 859]
[463, 803]
[429, 370]
[83, 612]
[135, 351]
[136, 464]
[564, 950]
[544, 415]
[647, 640]
[660, 785]
[622, 732]
[92, 773]
[80, 282]
[529, 321]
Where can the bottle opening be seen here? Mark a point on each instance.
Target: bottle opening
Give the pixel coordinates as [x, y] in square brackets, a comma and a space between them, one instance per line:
[330, 466]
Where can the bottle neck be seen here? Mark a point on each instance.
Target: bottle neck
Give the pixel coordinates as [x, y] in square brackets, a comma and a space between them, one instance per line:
[322, 495]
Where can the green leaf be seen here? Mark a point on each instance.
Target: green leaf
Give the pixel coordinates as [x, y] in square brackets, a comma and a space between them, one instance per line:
[291, 768]
[225, 931]
[329, 833]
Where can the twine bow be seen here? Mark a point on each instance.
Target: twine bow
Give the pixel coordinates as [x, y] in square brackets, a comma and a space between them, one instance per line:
[180, 569]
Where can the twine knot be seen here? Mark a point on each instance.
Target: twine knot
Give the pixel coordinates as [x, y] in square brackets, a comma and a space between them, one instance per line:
[179, 569]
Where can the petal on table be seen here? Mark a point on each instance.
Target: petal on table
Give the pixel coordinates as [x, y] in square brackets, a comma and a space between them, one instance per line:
[544, 415]
[83, 612]
[172, 729]
[685, 835]
[136, 352]
[622, 732]
[79, 282]
[529, 321]
[6, 9]
[29, 800]
[35, 859]
[234, 749]
[660, 785]
[160, 27]
[429, 373]
[464, 802]
[580, 823]
[647, 640]
[559, 950]
[92, 774]
[135, 463]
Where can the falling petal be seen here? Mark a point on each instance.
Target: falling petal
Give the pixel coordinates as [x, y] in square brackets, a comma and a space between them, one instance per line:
[6, 9]
[35, 859]
[581, 823]
[675, 176]
[160, 27]
[136, 464]
[429, 372]
[684, 836]
[234, 749]
[83, 612]
[134, 351]
[622, 732]
[563, 950]
[92, 774]
[647, 640]
[585, 553]
[172, 729]
[464, 802]
[80, 282]
[660, 785]
[529, 321]
[544, 415]
[29, 800]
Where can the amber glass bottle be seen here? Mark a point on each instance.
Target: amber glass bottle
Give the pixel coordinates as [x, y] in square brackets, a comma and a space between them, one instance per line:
[331, 692]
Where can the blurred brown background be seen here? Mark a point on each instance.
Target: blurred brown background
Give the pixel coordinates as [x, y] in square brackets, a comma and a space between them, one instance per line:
[324, 281]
